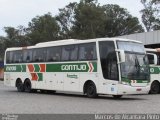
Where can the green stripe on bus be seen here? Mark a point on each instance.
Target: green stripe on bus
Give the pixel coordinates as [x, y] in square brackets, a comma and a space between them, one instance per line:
[72, 67]
[15, 68]
[61, 67]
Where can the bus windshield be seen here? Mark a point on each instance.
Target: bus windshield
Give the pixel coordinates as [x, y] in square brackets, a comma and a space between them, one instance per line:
[136, 65]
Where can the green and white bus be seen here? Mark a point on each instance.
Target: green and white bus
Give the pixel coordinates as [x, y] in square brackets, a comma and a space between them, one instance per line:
[110, 66]
[154, 61]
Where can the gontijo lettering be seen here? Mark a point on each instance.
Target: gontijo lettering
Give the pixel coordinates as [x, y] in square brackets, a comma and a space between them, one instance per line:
[74, 67]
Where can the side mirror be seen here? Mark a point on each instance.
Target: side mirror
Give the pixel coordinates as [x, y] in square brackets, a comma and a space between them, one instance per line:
[121, 55]
[152, 58]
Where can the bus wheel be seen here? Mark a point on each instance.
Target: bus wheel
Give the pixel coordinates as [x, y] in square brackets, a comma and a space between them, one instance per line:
[117, 96]
[27, 86]
[155, 88]
[91, 90]
[20, 87]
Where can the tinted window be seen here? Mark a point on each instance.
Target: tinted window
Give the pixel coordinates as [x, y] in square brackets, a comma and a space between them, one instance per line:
[17, 57]
[65, 53]
[39, 55]
[9, 57]
[27, 56]
[108, 60]
[87, 51]
[69, 52]
[74, 53]
[53, 54]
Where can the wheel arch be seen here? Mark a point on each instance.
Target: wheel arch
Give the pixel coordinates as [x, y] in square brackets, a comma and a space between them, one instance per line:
[85, 85]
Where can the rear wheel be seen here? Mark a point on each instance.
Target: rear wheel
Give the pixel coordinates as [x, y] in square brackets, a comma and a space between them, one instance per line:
[91, 90]
[155, 88]
[20, 87]
[27, 86]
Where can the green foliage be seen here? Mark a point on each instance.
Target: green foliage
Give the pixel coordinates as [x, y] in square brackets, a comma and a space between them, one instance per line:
[119, 22]
[66, 19]
[2, 48]
[15, 37]
[89, 20]
[151, 14]
[43, 28]
[93, 20]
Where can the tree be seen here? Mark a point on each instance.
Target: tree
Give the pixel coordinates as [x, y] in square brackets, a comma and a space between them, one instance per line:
[15, 37]
[65, 20]
[93, 20]
[89, 20]
[43, 28]
[11, 32]
[151, 14]
[119, 22]
[2, 48]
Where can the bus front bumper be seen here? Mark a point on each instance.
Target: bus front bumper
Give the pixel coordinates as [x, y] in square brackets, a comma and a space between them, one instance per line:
[127, 89]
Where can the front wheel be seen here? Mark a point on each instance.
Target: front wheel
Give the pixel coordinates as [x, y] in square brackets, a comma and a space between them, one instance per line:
[155, 88]
[91, 90]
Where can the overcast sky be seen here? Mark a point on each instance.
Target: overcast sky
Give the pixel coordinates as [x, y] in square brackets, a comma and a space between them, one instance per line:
[19, 12]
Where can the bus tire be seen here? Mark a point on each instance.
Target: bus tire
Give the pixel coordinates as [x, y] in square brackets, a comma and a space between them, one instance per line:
[27, 86]
[155, 88]
[117, 96]
[91, 90]
[20, 86]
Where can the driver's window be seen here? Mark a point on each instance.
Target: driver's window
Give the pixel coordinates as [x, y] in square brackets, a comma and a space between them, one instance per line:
[108, 60]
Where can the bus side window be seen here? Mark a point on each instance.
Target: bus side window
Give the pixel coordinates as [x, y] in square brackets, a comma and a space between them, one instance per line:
[39, 55]
[65, 53]
[27, 56]
[8, 57]
[87, 51]
[69, 53]
[53, 54]
[74, 53]
[17, 56]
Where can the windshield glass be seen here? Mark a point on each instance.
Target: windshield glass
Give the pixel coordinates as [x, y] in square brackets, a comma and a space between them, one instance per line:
[136, 65]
